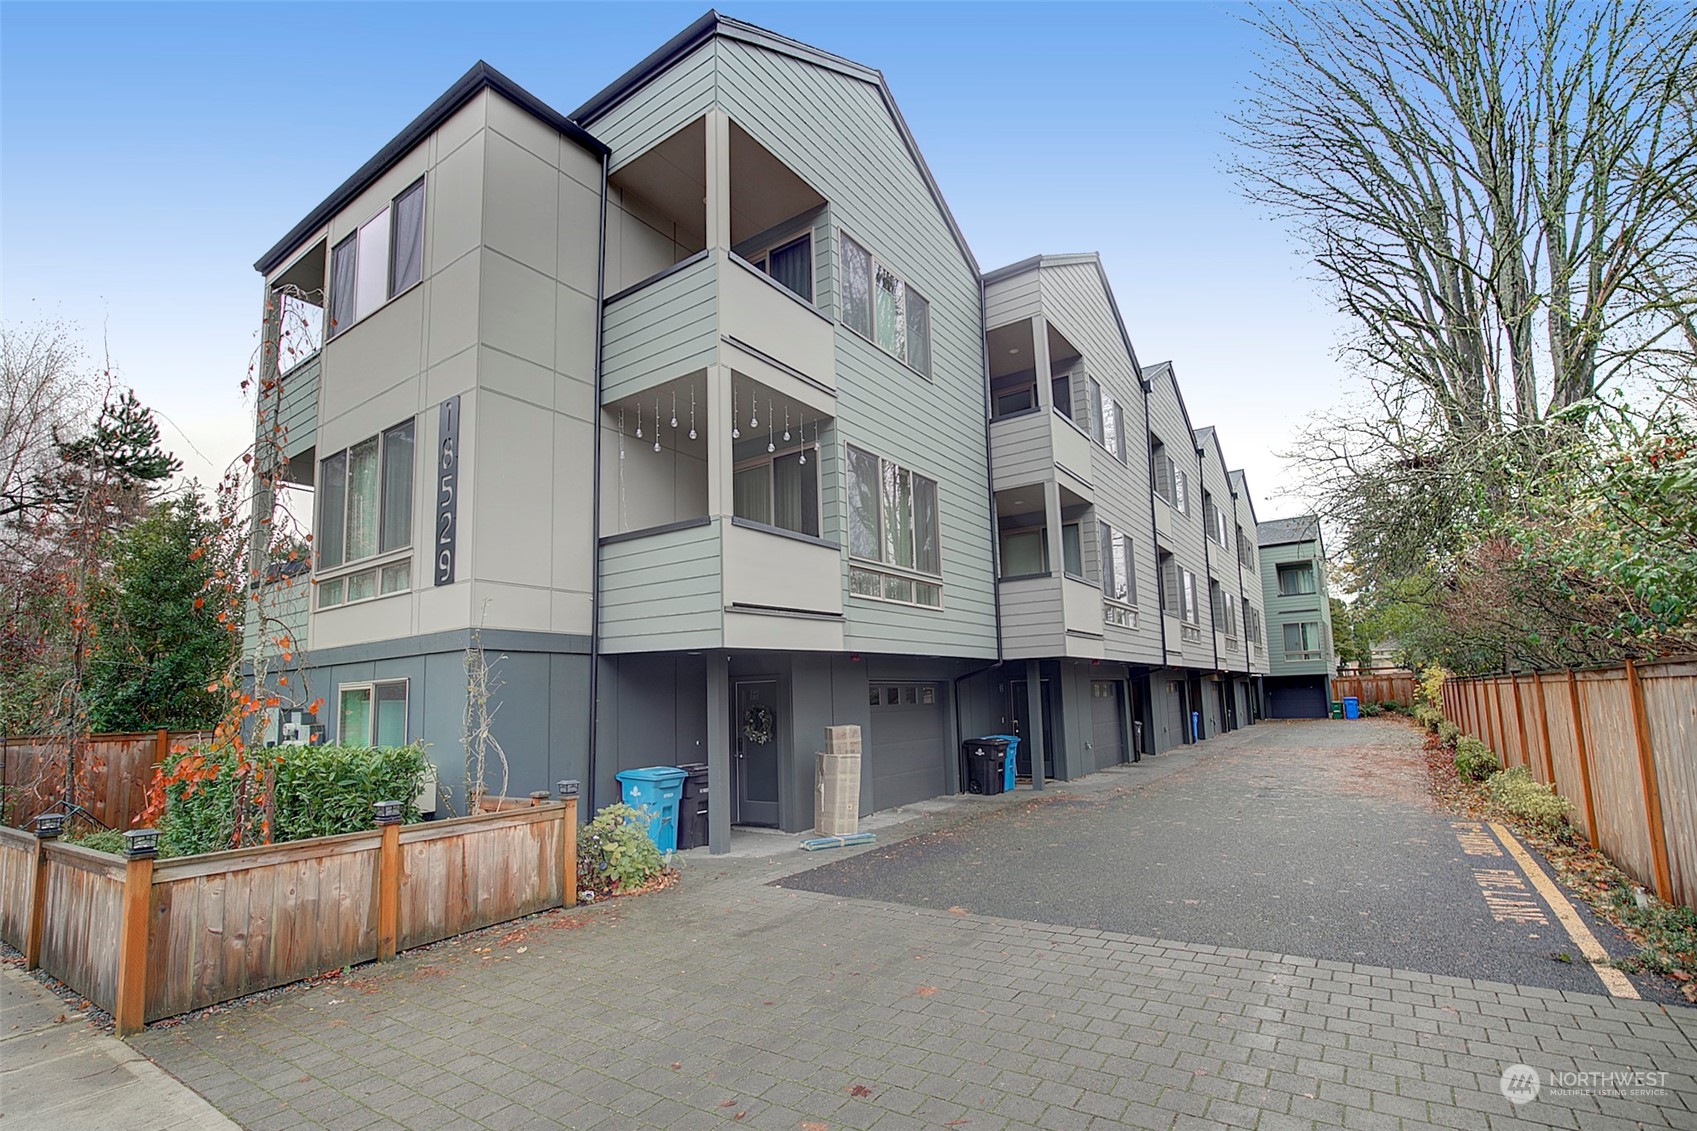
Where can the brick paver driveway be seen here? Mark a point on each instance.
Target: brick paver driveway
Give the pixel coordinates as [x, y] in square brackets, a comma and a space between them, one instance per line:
[734, 1002]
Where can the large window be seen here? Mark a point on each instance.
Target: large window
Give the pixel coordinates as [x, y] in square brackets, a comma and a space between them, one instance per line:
[378, 262]
[372, 714]
[1303, 641]
[880, 306]
[781, 491]
[1296, 579]
[1118, 580]
[365, 512]
[790, 265]
[893, 523]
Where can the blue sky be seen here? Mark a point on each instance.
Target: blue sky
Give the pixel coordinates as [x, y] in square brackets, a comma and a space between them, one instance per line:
[150, 153]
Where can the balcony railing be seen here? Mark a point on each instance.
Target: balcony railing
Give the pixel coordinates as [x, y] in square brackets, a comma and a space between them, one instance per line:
[1190, 633]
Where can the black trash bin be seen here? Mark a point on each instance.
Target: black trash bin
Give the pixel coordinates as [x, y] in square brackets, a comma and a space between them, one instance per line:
[692, 812]
[982, 763]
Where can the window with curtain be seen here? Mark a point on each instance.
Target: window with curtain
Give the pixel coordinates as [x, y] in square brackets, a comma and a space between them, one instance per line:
[781, 491]
[893, 522]
[1302, 640]
[791, 266]
[1296, 579]
[1072, 550]
[1024, 554]
[365, 498]
[379, 261]
[879, 305]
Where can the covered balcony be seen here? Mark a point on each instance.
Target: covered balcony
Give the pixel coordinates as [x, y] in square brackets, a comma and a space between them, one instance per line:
[1033, 432]
[1050, 607]
[713, 257]
[714, 529]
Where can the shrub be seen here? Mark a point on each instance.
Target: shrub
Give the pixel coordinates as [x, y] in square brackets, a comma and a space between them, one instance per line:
[320, 791]
[614, 853]
[1474, 760]
[1371, 710]
[100, 840]
[1448, 733]
[1431, 689]
[1515, 790]
[1427, 717]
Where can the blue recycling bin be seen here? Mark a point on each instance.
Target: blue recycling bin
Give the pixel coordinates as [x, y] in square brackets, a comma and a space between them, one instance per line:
[1351, 707]
[655, 791]
[1012, 763]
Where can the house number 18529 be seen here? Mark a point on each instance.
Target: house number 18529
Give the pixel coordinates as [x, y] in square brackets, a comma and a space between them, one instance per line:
[447, 488]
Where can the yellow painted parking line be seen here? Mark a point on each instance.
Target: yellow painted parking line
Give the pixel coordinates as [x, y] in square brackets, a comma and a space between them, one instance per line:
[1618, 984]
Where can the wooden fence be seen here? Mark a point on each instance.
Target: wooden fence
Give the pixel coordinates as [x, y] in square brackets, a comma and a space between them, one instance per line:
[1376, 687]
[195, 931]
[112, 779]
[1620, 743]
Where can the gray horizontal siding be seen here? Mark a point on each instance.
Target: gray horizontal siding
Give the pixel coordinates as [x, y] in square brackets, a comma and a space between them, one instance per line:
[1020, 450]
[664, 330]
[1012, 300]
[1167, 420]
[297, 407]
[662, 592]
[667, 104]
[1033, 623]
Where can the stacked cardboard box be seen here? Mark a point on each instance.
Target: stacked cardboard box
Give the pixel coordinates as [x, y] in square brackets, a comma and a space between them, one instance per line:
[836, 805]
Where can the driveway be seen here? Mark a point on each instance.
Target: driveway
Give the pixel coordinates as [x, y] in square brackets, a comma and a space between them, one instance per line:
[1314, 838]
[731, 1001]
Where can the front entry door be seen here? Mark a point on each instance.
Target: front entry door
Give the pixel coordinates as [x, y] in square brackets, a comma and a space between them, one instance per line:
[1019, 710]
[756, 719]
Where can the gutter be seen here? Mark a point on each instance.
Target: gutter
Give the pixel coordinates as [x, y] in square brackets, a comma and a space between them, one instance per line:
[595, 508]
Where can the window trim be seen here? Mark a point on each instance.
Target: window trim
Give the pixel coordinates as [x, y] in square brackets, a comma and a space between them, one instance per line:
[1304, 654]
[873, 265]
[371, 685]
[1298, 569]
[762, 262]
[770, 461]
[879, 562]
[334, 326]
[380, 558]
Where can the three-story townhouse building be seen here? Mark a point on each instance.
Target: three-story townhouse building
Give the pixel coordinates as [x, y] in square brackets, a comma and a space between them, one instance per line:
[694, 408]
[1247, 539]
[1299, 618]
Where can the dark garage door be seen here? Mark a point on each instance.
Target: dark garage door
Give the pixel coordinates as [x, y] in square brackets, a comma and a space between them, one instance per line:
[905, 754]
[1107, 727]
[1303, 701]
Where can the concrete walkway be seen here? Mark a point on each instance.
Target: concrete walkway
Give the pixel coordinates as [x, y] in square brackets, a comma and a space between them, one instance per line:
[731, 1002]
[58, 1071]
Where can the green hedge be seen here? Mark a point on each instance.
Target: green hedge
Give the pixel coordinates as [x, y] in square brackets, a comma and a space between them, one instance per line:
[320, 791]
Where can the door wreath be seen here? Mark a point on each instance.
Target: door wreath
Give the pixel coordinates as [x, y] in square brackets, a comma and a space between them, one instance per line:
[757, 724]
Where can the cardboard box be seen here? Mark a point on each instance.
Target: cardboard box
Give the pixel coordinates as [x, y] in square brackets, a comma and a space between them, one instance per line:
[842, 740]
[836, 793]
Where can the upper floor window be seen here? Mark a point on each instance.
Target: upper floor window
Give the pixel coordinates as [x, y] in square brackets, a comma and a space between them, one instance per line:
[1296, 579]
[880, 306]
[379, 261]
[1252, 618]
[1227, 610]
[1118, 579]
[365, 511]
[1303, 641]
[1188, 609]
[780, 490]
[1245, 550]
[1171, 482]
[1216, 519]
[790, 265]
[892, 522]
[1105, 423]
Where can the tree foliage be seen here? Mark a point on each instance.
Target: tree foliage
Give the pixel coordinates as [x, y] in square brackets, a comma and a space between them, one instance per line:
[1502, 199]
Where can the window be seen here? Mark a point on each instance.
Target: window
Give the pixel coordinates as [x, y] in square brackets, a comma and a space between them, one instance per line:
[1216, 520]
[1167, 568]
[1296, 579]
[1181, 488]
[780, 491]
[1060, 389]
[372, 714]
[1171, 483]
[1226, 609]
[1024, 553]
[880, 307]
[1245, 551]
[893, 522]
[1098, 430]
[365, 511]
[791, 266]
[1017, 401]
[379, 261]
[1187, 591]
[1252, 617]
[1118, 583]
[1072, 550]
[1106, 426]
[1302, 641]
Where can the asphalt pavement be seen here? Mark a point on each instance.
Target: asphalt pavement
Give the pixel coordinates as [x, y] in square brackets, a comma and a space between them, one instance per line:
[1311, 838]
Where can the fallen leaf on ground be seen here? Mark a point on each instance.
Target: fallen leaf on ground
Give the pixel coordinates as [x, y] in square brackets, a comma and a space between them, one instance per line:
[727, 1103]
[860, 1091]
[957, 911]
[926, 991]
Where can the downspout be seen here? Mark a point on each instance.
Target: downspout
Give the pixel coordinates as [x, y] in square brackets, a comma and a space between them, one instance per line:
[1154, 529]
[1208, 566]
[595, 508]
[990, 473]
[1242, 610]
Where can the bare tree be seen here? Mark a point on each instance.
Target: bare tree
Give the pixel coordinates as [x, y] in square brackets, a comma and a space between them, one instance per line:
[45, 392]
[1500, 195]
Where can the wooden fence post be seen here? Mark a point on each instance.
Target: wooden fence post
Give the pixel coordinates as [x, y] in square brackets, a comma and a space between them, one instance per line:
[47, 828]
[568, 845]
[1584, 758]
[388, 814]
[129, 1012]
[1544, 720]
[1520, 724]
[1652, 795]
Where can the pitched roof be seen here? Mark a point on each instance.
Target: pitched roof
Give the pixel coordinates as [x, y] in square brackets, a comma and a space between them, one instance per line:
[481, 77]
[1094, 259]
[712, 24]
[1279, 531]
